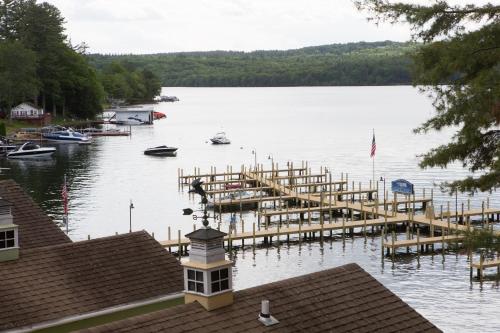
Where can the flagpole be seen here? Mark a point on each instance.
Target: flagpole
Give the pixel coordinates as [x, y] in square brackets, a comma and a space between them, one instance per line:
[373, 162]
[66, 205]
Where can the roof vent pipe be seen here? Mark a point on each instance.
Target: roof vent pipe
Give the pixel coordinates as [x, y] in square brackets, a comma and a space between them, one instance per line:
[265, 315]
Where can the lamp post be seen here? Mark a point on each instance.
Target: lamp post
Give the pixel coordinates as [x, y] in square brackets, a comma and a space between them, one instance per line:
[254, 152]
[382, 179]
[130, 215]
[271, 157]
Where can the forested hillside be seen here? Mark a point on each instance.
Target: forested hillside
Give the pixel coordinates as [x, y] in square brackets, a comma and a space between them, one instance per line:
[378, 63]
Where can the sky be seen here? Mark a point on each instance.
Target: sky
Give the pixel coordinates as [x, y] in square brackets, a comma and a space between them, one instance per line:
[156, 26]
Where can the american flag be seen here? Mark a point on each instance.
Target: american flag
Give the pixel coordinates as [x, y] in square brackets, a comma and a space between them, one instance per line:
[64, 194]
[374, 147]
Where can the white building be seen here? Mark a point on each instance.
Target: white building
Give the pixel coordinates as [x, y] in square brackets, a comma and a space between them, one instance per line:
[27, 111]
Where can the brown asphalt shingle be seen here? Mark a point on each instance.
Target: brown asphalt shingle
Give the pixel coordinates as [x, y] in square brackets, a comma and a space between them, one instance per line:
[342, 299]
[36, 229]
[54, 282]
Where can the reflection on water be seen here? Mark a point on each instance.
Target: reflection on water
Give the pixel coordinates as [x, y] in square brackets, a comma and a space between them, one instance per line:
[327, 126]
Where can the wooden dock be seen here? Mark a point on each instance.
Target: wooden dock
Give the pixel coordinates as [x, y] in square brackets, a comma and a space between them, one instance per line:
[299, 192]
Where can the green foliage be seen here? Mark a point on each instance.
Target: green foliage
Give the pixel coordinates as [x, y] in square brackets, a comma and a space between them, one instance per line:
[17, 73]
[362, 63]
[62, 79]
[122, 82]
[460, 68]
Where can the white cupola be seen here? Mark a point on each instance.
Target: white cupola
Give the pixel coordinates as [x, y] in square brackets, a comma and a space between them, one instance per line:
[207, 274]
[9, 233]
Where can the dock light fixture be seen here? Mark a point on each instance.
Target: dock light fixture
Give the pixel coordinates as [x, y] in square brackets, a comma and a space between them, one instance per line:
[382, 179]
[131, 206]
[254, 152]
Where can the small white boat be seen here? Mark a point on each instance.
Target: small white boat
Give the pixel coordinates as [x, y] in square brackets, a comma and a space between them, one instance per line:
[67, 135]
[31, 150]
[220, 139]
[237, 195]
[161, 151]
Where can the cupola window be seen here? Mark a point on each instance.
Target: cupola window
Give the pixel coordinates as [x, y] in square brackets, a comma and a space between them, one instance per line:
[220, 280]
[195, 280]
[7, 239]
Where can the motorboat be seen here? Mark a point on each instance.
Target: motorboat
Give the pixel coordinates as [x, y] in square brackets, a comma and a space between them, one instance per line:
[220, 139]
[232, 186]
[67, 135]
[169, 99]
[235, 196]
[31, 150]
[161, 151]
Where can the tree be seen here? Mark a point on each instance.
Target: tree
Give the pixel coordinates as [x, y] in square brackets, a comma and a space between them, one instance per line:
[66, 80]
[17, 74]
[459, 65]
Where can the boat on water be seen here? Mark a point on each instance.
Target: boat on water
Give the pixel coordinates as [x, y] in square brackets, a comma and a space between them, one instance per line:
[232, 186]
[31, 150]
[66, 135]
[161, 151]
[169, 99]
[237, 195]
[220, 139]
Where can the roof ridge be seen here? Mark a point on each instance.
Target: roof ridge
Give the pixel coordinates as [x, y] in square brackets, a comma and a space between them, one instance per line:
[87, 241]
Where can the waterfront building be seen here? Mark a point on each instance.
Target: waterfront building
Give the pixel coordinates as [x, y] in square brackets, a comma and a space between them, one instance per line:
[30, 113]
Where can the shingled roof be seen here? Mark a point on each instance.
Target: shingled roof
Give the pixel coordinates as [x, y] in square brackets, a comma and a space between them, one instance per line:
[36, 229]
[55, 282]
[342, 299]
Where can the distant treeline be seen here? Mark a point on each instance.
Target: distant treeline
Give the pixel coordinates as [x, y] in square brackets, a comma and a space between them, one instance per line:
[377, 63]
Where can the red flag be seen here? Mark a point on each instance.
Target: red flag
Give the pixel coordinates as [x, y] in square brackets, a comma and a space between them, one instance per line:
[374, 147]
[64, 194]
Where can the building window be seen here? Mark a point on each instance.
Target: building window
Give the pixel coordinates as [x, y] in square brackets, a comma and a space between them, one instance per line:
[195, 280]
[7, 239]
[220, 280]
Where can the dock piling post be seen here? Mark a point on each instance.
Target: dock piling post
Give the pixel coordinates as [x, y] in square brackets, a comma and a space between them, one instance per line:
[179, 248]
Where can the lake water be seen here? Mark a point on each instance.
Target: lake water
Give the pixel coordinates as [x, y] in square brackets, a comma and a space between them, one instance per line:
[327, 126]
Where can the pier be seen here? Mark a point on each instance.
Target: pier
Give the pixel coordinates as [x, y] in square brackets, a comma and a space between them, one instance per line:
[295, 204]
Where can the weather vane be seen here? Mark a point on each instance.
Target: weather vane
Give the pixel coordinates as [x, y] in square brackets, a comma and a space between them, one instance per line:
[196, 188]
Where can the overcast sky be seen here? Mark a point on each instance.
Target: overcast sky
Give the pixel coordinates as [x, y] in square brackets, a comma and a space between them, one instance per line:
[151, 26]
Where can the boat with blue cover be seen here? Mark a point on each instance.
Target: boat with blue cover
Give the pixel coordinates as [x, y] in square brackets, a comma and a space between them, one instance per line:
[66, 135]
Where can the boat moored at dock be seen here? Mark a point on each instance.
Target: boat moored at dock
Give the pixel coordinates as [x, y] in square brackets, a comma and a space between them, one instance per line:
[65, 136]
[31, 150]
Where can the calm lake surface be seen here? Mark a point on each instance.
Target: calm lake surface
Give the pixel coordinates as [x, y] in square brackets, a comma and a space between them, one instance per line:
[327, 126]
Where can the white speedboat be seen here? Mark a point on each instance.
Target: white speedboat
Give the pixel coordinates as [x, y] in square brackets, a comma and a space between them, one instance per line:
[31, 150]
[220, 139]
[67, 135]
[161, 151]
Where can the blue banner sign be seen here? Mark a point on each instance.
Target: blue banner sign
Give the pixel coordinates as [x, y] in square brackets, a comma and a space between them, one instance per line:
[402, 186]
